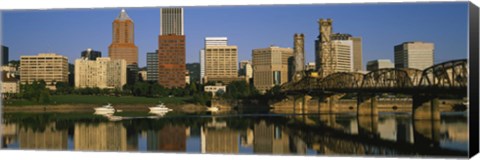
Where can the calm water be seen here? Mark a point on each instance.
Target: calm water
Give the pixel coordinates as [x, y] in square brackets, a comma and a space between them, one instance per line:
[233, 133]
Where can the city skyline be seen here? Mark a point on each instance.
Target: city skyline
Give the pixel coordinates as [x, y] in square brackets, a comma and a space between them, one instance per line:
[380, 33]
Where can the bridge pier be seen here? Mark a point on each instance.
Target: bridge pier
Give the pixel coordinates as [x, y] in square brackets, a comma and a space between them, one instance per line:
[300, 103]
[425, 108]
[327, 103]
[367, 105]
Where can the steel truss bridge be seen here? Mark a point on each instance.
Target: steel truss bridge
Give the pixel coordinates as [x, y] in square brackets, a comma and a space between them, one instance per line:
[449, 77]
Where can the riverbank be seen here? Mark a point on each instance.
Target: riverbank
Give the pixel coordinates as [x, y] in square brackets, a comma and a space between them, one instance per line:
[86, 103]
[87, 108]
[100, 100]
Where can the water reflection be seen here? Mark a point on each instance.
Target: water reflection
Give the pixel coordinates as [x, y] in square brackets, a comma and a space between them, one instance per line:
[325, 134]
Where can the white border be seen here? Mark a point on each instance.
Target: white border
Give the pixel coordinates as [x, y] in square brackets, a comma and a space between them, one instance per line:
[63, 4]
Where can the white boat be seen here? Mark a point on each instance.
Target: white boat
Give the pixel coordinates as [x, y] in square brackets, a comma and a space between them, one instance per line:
[106, 109]
[212, 109]
[159, 108]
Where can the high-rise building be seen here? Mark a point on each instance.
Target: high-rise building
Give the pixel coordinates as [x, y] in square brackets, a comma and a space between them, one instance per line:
[343, 50]
[171, 21]
[270, 66]
[220, 60]
[49, 67]
[419, 55]
[171, 48]
[152, 66]
[123, 45]
[101, 73]
[357, 53]
[379, 64]
[356, 58]
[91, 54]
[298, 55]
[4, 55]
[209, 41]
[324, 54]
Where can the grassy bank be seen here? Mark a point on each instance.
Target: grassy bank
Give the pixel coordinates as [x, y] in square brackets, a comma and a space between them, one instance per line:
[100, 100]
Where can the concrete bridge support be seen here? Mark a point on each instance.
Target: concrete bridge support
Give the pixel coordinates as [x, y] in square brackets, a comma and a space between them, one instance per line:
[300, 104]
[327, 103]
[425, 108]
[367, 105]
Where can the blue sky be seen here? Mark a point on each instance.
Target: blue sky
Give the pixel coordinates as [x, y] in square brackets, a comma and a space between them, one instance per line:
[381, 26]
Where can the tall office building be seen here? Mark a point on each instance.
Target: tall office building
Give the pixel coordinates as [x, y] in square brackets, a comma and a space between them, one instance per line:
[379, 64]
[357, 53]
[270, 66]
[152, 66]
[123, 45]
[171, 21]
[298, 55]
[171, 48]
[343, 50]
[419, 55]
[220, 62]
[356, 47]
[209, 41]
[4, 55]
[91, 54]
[49, 67]
[101, 73]
[324, 55]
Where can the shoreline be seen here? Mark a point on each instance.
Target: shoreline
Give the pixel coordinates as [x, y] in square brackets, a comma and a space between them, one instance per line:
[64, 108]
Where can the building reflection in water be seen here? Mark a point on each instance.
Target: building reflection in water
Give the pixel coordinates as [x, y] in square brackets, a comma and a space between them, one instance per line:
[9, 132]
[47, 139]
[216, 137]
[171, 138]
[132, 140]
[270, 139]
[105, 136]
[247, 138]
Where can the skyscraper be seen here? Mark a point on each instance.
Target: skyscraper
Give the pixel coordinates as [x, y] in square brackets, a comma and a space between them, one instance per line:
[152, 66]
[4, 55]
[123, 45]
[220, 60]
[270, 66]
[356, 49]
[324, 55]
[171, 48]
[91, 54]
[415, 54]
[209, 41]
